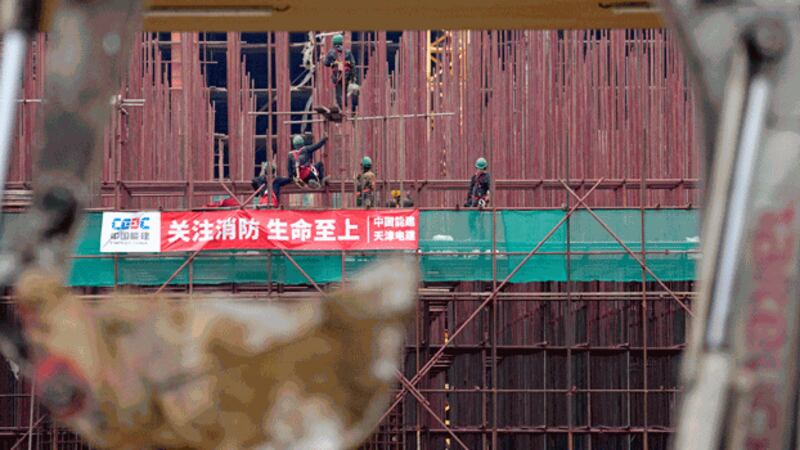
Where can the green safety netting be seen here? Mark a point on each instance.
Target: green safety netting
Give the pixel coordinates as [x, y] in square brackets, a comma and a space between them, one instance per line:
[670, 232]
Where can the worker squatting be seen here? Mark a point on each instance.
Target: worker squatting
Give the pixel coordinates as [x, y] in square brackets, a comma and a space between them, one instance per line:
[306, 172]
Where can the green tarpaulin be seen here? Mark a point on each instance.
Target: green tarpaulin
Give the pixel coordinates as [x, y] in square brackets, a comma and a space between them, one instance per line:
[670, 232]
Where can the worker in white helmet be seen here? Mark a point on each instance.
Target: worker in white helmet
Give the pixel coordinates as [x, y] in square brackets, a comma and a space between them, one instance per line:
[479, 185]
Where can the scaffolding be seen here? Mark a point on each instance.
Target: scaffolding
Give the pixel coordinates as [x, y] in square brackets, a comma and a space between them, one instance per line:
[579, 122]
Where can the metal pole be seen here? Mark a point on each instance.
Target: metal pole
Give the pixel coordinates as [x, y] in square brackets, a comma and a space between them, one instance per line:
[402, 160]
[30, 417]
[232, 195]
[383, 117]
[424, 402]
[15, 44]
[494, 326]
[178, 271]
[28, 432]
[438, 354]
[569, 314]
[302, 272]
[629, 251]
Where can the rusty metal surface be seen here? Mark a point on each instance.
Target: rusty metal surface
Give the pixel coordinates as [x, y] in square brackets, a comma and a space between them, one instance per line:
[206, 375]
[621, 341]
[295, 15]
[154, 116]
[431, 156]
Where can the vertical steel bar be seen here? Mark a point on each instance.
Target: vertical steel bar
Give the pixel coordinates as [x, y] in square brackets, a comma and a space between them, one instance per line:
[438, 354]
[494, 326]
[344, 269]
[645, 337]
[571, 331]
[269, 273]
[15, 44]
[178, 271]
[30, 417]
[420, 311]
[28, 433]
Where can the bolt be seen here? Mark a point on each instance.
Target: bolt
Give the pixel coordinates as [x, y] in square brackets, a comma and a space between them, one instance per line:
[768, 38]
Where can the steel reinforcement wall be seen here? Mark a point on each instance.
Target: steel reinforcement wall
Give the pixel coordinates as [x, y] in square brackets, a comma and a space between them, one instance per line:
[574, 122]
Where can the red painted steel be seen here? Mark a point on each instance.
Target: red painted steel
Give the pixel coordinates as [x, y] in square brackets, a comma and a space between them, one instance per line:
[540, 365]
[163, 128]
[28, 115]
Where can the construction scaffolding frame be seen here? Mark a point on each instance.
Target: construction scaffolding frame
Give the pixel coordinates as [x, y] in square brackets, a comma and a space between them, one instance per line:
[570, 121]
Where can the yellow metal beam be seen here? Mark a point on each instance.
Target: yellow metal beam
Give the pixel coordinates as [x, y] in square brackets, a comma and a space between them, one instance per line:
[296, 15]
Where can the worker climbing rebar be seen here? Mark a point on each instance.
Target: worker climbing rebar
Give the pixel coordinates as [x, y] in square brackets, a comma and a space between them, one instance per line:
[479, 186]
[302, 169]
[365, 184]
[343, 75]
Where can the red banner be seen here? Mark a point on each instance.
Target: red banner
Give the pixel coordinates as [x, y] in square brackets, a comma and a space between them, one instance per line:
[391, 229]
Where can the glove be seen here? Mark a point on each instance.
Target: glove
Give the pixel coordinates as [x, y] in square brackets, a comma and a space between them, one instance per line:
[353, 89]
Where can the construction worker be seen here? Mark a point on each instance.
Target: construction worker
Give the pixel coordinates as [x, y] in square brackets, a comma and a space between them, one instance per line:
[344, 74]
[258, 183]
[302, 170]
[365, 184]
[397, 202]
[478, 195]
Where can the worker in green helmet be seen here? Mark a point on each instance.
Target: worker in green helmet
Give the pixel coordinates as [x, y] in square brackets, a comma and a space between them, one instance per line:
[302, 169]
[479, 186]
[343, 76]
[365, 184]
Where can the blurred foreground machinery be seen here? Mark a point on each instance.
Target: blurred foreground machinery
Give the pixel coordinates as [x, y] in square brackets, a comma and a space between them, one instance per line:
[741, 368]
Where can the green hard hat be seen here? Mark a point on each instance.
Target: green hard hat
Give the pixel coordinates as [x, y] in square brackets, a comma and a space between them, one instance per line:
[481, 163]
[366, 162]
[338, 39]
[298, 141]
